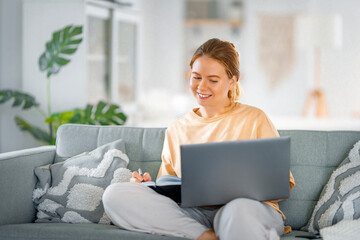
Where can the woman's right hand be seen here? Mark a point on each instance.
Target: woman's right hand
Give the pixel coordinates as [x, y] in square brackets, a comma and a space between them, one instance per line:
[136, 177]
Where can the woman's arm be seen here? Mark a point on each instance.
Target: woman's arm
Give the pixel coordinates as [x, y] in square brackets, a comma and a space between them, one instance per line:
[166, 167]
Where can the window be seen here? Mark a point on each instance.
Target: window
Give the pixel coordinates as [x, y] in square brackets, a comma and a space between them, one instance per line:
[112, 36]
[126, 60]
[98, 55]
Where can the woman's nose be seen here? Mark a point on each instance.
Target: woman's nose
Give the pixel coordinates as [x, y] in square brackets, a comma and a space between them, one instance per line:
[202, 85]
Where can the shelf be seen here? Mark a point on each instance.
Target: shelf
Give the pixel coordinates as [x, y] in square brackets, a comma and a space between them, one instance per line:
[194, 22]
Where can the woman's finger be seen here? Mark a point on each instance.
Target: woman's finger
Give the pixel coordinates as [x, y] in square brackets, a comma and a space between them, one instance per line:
[147, 177]
[136, 175]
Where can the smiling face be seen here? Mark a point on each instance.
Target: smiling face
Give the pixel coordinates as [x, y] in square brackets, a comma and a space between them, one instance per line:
[210, 84]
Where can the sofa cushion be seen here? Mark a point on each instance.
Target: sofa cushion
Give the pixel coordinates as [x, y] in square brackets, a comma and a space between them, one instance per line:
[63, 231]
[143, 145]
[314, 156]
[71, 191]
[346, 229]
[340, 198]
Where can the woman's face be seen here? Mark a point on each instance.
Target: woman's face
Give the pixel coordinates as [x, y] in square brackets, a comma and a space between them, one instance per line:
[210, 84]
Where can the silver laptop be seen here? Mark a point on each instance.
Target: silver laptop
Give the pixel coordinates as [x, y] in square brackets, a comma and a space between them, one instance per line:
[216, 173]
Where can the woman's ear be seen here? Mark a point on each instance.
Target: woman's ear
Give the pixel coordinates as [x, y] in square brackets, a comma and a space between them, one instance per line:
[233, 80]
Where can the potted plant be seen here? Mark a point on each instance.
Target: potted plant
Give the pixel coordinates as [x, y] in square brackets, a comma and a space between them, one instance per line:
[58, 50]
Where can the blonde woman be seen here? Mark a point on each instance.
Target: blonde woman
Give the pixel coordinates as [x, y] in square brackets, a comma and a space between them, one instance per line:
[219, 117]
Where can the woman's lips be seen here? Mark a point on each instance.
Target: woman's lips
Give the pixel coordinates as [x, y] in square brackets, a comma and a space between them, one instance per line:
[203, 96]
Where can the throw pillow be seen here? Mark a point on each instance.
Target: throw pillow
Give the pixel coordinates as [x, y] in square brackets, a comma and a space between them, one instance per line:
[340, 198]
[346, 229]
[71, 191]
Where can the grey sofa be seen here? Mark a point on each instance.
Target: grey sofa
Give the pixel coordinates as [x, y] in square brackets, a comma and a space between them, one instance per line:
[314, 155]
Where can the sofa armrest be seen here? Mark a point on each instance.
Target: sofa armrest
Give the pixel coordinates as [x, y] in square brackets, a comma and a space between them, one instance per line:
[17, 182]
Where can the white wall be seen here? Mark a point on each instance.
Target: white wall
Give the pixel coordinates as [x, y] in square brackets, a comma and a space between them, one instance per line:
[162, 58]
[163, 43]
[41, 19]
[340, 68]
[254, 82]
[10, 71]
[25, 27]
[1, 63]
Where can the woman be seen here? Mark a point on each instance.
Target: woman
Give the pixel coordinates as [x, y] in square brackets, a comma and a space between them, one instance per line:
[214, 84]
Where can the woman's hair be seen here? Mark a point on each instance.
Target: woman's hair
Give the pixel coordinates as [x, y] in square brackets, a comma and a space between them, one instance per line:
[225, 53]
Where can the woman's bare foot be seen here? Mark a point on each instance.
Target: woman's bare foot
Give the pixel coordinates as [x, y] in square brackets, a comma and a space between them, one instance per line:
[208, 235]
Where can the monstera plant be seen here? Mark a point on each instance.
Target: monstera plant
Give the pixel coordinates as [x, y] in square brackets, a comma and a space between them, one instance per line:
[59, 49]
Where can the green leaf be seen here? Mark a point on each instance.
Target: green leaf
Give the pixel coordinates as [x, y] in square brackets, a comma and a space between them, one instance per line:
[77, 41]
[29, 103]
[111, 109]
[115, 122]
[101, 105]
[55, 68]
[36, 132]
[66, 32]
[66, 116]
[56, 38]
[57, 119]
[88, 111]
[103, 114]
[61, 61]
[19, 99]
[122, 116]
[69, 51]
[53, 118]
[75, 31]
[5, 95]
[53, 141]
[49, 120]
[59, 49]
[43, 62]
[76, 118]
[24, 99]
[50, 49]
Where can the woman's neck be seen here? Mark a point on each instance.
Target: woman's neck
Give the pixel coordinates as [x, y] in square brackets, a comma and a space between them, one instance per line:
[211, 112]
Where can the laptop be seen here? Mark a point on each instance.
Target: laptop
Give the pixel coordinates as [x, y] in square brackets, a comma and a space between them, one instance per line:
[216, 173]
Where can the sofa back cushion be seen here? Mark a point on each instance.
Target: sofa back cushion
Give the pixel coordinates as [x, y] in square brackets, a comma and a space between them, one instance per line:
[143, 145]
[314, 156]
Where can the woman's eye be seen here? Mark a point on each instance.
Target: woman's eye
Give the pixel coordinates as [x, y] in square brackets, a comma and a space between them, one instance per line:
[213, 81]
[196, 78]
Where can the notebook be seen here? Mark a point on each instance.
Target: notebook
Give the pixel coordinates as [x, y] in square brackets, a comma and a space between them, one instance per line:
[167, 185]
[216, 173]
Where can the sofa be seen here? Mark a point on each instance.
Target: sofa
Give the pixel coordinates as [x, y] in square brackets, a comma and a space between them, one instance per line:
[314, 156]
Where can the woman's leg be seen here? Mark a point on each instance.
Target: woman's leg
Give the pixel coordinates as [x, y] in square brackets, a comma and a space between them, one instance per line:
[136, 207]
[248, 219]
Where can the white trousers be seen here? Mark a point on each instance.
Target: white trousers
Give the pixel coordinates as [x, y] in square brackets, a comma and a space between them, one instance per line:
[135, 207]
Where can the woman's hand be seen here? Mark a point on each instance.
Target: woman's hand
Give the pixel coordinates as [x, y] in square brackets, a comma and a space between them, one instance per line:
[136, 177]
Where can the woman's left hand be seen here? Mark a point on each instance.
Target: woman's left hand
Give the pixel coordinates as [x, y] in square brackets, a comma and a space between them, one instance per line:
[136, 177]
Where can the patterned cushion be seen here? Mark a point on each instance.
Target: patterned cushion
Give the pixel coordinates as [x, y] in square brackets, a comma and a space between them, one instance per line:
[340, 198]
[346, 229]
[71, 191]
